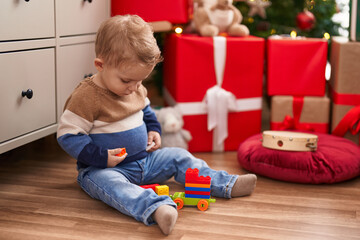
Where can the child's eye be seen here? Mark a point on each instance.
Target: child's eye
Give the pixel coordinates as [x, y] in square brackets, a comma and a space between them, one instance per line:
[124, 81]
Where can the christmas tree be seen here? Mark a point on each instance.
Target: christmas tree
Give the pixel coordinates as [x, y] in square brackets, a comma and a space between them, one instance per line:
[310, 18]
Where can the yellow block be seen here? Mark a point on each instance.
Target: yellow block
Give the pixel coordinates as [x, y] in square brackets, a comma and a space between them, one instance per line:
[162, 190]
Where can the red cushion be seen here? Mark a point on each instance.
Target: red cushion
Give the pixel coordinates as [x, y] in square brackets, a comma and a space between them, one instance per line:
[336, 159]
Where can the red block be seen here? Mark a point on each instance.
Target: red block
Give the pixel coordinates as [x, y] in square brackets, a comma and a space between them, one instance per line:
[122, 153]
[173, 11]
[152, 186]
[198, 193]
[192, 176]
[296, 66]
[189, 71]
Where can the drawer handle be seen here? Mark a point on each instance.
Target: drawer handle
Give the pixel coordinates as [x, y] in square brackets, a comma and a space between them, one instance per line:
[27, 0]
[88, 1]
[29, 93]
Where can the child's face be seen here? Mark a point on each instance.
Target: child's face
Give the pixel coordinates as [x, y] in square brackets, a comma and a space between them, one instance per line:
[124, 80]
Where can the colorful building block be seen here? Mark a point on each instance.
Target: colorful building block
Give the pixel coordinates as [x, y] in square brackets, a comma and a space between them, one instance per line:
[197, 191]
[196, 186]
[162, 190]
[122, 153]
[181, 200]
[192, 176]
[152, 186]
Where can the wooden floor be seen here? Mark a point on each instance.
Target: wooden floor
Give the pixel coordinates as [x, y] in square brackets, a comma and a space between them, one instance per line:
[40, 199]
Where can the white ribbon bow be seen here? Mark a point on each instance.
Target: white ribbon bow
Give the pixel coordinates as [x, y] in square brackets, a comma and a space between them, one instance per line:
[219, 101]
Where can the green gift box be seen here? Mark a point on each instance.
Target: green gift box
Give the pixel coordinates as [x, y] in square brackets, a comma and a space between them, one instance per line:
[354, 20]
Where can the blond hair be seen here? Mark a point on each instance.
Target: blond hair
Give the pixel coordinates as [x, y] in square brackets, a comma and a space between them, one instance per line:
[126, 39]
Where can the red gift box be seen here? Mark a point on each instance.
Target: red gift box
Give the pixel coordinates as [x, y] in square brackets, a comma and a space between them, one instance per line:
[174, 11]
[217, 85]
[296, 66]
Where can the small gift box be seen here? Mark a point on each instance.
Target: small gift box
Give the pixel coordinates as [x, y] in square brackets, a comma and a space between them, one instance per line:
[345, 88]
[300, 113]
[296, 66]
[216, 83]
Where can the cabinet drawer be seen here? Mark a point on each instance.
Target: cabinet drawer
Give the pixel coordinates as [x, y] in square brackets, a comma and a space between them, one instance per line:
[74, 62]
[20, 71]
[25, 20]
[75, 17]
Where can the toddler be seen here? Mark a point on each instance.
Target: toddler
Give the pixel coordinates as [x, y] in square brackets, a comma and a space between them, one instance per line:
[110, 111]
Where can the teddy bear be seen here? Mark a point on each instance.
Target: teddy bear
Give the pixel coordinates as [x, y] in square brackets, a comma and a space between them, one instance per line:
[171, 122]
[222, 16]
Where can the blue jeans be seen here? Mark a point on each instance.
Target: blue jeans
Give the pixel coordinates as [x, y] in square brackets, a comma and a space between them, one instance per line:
[118, 186]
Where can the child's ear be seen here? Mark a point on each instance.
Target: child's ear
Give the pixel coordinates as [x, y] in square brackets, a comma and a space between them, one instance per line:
[98, 62]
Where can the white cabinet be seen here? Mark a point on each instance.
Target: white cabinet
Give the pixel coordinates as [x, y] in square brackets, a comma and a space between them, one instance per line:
[31, 72]
[75, 62]
[46, 46]
[76, 22]
[74, 17]
[26, 20]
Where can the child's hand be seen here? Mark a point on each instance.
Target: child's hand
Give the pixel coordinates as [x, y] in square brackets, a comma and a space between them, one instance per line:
[114, 160]
[154, 137]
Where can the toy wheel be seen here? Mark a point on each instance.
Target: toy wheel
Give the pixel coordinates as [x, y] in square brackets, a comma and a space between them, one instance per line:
[179, 202]
[203, 205]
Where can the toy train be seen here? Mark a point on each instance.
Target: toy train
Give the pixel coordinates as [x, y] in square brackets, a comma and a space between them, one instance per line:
[197, 191]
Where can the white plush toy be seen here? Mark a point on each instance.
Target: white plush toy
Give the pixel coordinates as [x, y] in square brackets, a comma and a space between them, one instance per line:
[171, 122]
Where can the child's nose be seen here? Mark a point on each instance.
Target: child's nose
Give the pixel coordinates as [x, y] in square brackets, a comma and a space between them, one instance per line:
[133, 87]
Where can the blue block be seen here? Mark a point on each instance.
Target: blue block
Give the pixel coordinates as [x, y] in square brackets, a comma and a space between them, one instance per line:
[197, 196]
[197, 189]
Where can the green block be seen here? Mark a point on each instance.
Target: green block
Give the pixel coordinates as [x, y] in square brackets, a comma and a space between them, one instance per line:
[189, 201]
